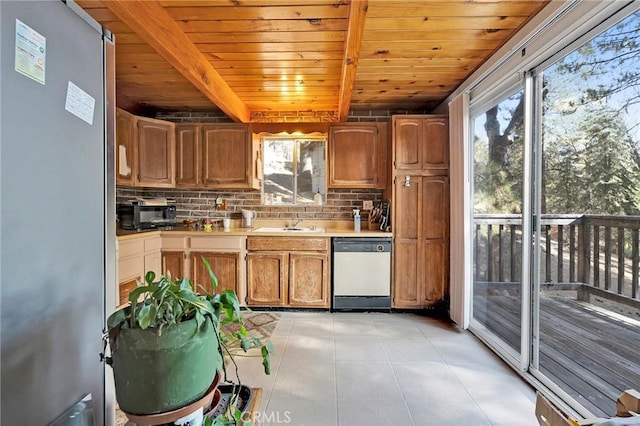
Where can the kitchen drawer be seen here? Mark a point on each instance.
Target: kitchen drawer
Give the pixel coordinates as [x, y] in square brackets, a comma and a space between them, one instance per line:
[130, 268]
[287, 244]
[152, 244]
[125, 288]
[174, 243]
[217, 243]
[128, 248]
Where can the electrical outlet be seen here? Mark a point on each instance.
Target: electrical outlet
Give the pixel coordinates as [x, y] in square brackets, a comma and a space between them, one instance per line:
[367, 205]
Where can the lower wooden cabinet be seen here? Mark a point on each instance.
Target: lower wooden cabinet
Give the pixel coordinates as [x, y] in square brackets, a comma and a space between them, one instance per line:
[308, 283]
[126, 287]
[173, 264]
[267, 278]
[225, 266]
[290, 272]
[136, 257]
[421, 243]
[182, 256]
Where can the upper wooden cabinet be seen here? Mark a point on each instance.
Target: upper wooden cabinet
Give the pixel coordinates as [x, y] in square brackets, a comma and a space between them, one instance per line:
[217, 156]
[125, 142]
[421, 142]
[155, 153]
[358, 155]
[226, 155]
[188, 155]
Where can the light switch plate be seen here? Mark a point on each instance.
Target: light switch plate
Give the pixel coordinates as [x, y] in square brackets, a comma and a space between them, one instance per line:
[367, 205]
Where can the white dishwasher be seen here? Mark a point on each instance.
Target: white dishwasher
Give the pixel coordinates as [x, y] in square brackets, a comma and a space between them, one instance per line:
[361, 273]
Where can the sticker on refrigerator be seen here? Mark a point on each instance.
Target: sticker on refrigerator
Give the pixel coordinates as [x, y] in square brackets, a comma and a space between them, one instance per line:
[80, 103]
[30, 52]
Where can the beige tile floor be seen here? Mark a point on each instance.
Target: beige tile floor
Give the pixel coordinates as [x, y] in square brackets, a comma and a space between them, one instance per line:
[368, 369]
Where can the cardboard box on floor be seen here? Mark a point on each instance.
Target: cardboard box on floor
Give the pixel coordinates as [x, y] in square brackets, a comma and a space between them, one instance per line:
[628, 402]
[627, 412]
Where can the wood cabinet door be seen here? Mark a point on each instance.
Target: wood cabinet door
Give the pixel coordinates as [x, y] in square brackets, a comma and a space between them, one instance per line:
[225, 266]
[435, 152]
[155, 153]
[407, 211]
[308, 280]
[226, 156]
[173, 264]
[406, 273]
[267, 278]
[353, 156]
[188, 155]
[125, 288]
[435, 239]
[125, 142]
[406, 258]
[407, 143]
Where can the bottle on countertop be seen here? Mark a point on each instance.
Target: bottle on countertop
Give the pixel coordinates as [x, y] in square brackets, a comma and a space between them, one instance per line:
[317, 198]
[356, 220]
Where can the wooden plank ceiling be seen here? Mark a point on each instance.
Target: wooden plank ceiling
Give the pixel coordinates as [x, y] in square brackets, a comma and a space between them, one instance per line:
[306, 59]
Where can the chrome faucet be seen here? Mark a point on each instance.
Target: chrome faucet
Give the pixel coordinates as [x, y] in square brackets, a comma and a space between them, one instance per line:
[296, 223]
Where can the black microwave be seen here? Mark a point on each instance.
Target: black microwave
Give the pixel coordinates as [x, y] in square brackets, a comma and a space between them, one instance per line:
[138, 217]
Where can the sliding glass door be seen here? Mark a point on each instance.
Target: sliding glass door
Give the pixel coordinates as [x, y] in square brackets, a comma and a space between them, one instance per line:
[556, 218]
[586, 243]
[497, 220]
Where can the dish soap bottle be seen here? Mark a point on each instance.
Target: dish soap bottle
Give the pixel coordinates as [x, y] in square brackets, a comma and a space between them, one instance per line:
[356, 220]
[317, 198]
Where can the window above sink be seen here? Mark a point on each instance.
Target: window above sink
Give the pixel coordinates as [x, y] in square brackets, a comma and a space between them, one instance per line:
[294, 169]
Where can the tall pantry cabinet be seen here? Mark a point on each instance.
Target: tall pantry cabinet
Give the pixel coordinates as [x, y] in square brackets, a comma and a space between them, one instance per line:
[420, 210]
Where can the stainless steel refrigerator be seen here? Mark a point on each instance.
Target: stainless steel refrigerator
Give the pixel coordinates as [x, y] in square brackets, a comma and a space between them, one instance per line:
[56, 213]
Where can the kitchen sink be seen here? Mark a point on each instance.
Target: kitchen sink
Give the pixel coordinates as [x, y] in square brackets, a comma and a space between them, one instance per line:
[291, 230]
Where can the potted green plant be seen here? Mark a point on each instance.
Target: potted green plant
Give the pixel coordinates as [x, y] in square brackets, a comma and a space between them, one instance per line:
[169, 343]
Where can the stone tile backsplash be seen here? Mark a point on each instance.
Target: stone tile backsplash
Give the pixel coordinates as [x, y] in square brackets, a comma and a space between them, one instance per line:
[196, 204]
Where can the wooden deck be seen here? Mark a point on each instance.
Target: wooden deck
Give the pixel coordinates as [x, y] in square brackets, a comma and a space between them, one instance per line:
[591, 355]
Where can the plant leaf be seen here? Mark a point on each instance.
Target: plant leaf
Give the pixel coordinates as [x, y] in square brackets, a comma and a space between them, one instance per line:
[212, 276]
[266, 351]
[146, 316]
[149, 277]
[186, 284]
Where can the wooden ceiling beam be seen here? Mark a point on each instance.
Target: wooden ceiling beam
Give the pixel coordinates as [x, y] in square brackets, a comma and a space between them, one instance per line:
[153, 24]
[353, 41]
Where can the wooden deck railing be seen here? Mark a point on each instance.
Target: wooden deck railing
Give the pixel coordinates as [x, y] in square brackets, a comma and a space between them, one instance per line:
[600, 251]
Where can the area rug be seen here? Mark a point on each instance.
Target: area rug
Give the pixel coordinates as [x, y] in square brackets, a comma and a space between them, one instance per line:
[258, 324]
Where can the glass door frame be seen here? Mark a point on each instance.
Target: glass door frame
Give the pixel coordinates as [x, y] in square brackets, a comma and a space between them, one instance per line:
[527, 361]
[518, 360]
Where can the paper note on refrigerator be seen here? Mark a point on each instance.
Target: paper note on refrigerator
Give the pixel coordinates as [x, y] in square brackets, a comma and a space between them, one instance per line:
[123, 166]
[80, 103]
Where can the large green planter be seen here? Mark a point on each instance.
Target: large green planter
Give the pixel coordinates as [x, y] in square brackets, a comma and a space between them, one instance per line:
[159, 373]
